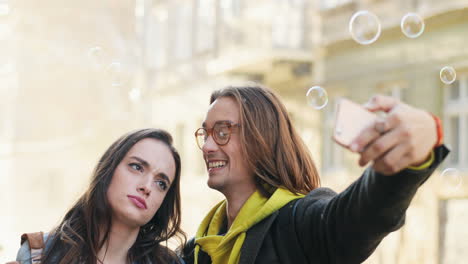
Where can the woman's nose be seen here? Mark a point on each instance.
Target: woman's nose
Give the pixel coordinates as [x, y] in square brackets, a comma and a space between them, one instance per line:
[145, 188]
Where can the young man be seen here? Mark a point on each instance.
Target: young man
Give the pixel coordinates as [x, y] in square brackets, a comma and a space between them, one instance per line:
[275, 212]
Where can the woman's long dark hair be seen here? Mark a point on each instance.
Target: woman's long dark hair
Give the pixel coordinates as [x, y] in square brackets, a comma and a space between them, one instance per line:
[86, 226]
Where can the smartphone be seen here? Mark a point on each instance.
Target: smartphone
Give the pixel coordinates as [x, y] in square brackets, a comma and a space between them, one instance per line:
[351, 118]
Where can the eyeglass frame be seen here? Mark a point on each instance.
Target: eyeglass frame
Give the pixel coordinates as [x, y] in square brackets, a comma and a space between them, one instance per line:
[209, 131]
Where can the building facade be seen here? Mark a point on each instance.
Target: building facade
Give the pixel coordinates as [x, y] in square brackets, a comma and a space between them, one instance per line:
[73, 83]
[293, 45]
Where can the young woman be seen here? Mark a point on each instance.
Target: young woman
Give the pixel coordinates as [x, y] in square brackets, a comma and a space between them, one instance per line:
[131, 207]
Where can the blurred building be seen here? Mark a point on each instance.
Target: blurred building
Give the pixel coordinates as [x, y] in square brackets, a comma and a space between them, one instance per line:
[76, 75]
[194, 47]
[60, 104]
[200, 45]
[408, 69]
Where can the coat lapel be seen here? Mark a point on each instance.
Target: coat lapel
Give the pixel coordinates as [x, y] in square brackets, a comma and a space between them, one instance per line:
[254, 239]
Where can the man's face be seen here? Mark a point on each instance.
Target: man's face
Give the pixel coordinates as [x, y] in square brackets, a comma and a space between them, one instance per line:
[227, 169]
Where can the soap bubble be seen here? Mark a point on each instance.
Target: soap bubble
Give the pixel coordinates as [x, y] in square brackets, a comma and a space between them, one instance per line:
[317, 97]
[364, 27]
[451, 179]
[448, 75]
[134, 95]
[412, 25]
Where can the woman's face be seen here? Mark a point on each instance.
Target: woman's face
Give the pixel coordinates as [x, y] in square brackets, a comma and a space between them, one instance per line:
[140, 182]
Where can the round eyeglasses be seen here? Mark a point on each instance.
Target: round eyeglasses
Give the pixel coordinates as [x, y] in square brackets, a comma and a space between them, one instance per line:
[221, 132]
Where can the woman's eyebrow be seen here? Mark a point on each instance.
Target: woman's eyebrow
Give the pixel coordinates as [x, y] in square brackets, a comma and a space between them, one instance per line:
[142, 161]
[164, 176]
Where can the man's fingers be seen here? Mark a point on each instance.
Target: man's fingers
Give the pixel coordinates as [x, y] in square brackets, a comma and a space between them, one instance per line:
[394, 119]
[392, 162]
[373, 131]
[379, 147]
[366, 136]
[381, 103]
[403, 137]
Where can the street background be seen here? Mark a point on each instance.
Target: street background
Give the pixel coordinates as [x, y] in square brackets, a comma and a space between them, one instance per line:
[76, 75]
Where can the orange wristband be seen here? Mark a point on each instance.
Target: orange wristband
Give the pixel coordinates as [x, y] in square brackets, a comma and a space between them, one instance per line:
[440, 131]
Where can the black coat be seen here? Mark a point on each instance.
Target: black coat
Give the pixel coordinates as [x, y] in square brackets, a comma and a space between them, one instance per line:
[325, 227]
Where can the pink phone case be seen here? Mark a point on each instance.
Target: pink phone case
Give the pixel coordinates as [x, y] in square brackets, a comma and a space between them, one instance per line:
[350, 120]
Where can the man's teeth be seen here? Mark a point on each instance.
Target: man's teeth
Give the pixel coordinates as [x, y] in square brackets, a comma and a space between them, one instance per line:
[216, 164]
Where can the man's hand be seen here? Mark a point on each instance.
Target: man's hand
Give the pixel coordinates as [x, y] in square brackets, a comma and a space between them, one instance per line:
[404, 137]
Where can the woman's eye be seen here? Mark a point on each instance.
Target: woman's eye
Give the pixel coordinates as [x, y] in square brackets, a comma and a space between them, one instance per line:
[162, 185]
[135, 166]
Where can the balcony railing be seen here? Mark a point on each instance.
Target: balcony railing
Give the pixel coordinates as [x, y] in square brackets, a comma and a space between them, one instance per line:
[251, 39]
[266, 31]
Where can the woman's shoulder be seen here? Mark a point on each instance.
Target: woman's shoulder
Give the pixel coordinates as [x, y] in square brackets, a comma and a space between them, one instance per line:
[177, 261]
[24, 253]
[171, 256]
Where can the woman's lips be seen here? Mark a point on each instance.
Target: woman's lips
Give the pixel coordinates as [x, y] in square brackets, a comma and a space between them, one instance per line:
[139, 202]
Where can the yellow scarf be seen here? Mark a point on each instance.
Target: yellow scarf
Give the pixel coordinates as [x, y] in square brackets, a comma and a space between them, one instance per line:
[226, 249]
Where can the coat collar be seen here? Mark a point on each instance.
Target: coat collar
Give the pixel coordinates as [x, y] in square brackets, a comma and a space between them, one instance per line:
[254, 239]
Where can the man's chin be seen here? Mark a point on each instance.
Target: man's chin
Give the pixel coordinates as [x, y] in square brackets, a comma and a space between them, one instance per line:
[213, 184]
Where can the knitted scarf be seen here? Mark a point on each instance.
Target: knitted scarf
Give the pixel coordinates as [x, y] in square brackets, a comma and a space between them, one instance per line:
[226, 249]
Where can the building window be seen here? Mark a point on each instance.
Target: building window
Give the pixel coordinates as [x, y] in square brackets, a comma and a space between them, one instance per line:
[231, 9]
[158, 34]
[396, 89]
[332, 152]
[456, 121]
[205, 26]
[289, 26]
[453, 214]
[454, 91]
[230, 23]
[181, 23]
[331, 4]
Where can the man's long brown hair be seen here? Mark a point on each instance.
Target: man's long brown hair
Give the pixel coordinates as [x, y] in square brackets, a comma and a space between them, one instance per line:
[86, 226]
[273, 149]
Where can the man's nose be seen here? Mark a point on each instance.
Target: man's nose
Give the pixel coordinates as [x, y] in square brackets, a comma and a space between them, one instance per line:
[210, 145]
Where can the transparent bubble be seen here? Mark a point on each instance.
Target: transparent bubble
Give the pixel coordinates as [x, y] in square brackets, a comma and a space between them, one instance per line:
[134, 95]
[448, 75]
[451, 179]
[412, 25]
[317, 97]
[116, 73]
[97, 56]
[364, 27]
